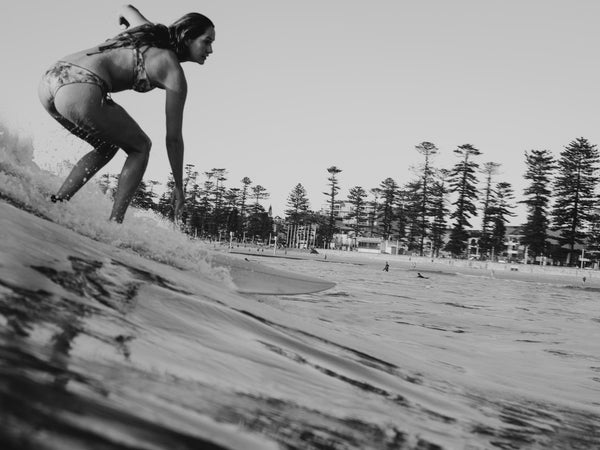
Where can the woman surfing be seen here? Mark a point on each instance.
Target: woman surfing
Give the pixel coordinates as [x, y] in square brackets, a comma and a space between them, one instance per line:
[76, 92]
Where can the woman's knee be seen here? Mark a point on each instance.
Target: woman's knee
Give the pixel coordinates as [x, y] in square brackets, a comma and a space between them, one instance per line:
[147, 144]
[142, 145]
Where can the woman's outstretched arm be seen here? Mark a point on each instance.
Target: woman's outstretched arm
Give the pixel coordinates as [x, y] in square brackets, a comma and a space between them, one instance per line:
[173, 81]
[130, 16]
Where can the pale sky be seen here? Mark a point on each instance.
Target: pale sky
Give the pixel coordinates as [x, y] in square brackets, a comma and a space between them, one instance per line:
[293, 88]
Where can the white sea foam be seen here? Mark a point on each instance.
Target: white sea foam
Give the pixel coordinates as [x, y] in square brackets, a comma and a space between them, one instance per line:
[144, 232]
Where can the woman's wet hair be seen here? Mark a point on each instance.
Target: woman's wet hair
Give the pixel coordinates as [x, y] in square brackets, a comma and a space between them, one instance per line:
[173, 37]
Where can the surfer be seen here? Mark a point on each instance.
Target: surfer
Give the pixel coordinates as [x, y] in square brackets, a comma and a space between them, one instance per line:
[421, 276]
[76, 92]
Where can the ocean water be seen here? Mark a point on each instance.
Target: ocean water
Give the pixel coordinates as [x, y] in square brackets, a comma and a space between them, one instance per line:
[132, 336]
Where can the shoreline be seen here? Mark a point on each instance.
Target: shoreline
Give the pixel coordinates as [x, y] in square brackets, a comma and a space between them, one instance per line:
[564, 276]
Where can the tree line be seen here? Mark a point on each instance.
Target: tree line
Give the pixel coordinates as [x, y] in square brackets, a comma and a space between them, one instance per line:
[212, 210]
[428, 214]
[438, 205]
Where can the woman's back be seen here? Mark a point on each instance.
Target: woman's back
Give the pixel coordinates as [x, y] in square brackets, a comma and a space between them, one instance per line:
[117, 66]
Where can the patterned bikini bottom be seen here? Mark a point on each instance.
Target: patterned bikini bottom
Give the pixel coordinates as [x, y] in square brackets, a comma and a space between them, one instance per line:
[63, 73]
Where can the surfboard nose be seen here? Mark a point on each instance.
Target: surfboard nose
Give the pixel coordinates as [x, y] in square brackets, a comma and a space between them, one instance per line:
[251, 277]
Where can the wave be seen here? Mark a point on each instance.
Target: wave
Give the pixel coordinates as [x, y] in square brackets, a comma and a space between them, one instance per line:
[93, 327]
[128, 336]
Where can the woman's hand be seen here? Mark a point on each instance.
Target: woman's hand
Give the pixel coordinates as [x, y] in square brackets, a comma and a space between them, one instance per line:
[178, 201]
[129, 16]
[123, 22]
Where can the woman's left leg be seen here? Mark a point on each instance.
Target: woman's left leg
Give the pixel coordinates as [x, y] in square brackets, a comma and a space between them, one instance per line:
[89, 164]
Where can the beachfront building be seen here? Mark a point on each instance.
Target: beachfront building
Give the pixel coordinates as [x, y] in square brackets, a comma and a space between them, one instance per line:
[301, 235]
[378, 245]
[365, 244]
[347, 237]
[341, 211]
[514, 250]
[473, 245]
[368, 244]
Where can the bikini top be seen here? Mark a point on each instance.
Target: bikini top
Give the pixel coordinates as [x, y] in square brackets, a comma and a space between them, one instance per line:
[141, 82]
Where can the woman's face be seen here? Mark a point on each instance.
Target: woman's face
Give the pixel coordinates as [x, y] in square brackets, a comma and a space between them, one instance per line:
[201, 47]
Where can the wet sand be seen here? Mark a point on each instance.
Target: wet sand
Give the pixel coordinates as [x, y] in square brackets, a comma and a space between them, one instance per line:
[564, 276]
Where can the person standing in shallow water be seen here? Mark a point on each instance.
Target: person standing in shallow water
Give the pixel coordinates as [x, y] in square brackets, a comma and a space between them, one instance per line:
[76, 92]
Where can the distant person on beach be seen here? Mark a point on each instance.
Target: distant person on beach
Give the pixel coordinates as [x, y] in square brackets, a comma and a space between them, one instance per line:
[386, 268]
[76, 92]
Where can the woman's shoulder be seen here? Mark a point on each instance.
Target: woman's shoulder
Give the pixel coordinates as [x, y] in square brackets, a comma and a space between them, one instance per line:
[162, 65]
[160, 56]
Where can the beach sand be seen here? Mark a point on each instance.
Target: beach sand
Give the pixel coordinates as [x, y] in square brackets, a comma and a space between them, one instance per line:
[564, 276]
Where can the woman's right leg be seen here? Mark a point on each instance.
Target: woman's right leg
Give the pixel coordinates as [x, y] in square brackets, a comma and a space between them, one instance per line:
[107, 126]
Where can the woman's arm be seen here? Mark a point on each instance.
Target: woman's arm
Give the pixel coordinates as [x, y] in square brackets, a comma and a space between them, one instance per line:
[131, 17]
[175, 101]
[175, 86]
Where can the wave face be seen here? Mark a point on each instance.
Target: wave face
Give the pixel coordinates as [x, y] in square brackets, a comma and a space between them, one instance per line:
[130, 337]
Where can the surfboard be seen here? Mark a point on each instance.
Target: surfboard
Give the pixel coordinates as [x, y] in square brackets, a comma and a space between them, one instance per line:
[251, 277]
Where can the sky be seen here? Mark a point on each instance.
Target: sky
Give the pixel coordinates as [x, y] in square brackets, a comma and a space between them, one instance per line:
[293, 88]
